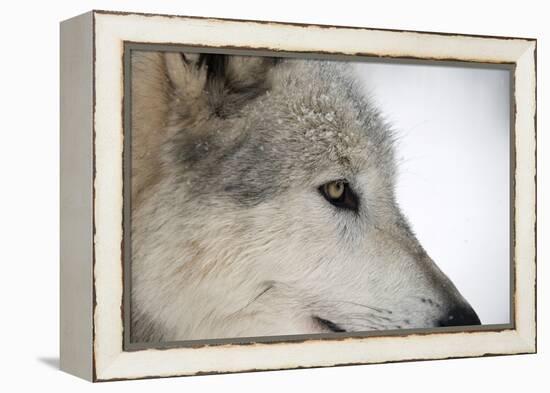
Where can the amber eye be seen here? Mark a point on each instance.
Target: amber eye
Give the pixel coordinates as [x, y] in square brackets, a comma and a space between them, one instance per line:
[339, 194]
[335, 189]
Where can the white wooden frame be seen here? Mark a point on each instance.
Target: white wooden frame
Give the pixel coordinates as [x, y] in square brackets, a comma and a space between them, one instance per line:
[92, 135]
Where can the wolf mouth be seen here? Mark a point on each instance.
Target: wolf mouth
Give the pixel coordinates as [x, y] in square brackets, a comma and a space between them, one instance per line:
[325, 323]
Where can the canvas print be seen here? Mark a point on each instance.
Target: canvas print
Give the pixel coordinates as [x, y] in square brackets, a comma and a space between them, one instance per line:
[281, 196]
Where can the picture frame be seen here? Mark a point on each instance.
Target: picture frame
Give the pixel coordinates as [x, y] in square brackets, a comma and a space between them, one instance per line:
[95, 155]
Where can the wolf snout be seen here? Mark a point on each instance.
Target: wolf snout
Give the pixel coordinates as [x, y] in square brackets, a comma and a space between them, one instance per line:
[460, 316]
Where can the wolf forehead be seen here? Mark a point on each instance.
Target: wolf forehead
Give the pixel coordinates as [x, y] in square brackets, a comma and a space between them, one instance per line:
[265, 130]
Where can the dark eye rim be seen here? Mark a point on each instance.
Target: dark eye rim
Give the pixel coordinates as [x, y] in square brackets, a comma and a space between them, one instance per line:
[348, 200]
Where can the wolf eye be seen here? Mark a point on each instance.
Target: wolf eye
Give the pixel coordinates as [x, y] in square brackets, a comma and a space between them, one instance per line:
[335, 189]
[339, 194]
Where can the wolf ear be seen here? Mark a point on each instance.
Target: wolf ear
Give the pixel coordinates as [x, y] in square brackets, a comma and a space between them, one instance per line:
[227, 82]
[186, 74]
[238, 72]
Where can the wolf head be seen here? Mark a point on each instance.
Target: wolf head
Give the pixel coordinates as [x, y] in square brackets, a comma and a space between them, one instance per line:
[269, 206]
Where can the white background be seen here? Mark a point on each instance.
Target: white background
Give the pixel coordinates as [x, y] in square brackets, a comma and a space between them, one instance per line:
[453, 127]
[29, 197]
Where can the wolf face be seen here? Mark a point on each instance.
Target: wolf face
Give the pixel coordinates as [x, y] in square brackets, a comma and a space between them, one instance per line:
[264, 205]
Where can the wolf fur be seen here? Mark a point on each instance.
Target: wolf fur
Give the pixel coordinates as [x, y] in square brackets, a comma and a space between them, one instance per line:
[230, 234]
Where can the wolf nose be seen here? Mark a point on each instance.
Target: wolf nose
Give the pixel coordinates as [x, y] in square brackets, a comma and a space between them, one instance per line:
[460, 316]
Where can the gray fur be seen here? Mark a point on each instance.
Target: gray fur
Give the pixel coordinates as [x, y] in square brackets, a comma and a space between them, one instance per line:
[234, 235]
[261, 160]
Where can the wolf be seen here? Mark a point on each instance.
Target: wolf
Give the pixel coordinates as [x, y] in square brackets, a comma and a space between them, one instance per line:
[263, 204]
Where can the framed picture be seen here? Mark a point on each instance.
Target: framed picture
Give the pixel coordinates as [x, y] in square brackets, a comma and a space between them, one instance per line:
[245, 195]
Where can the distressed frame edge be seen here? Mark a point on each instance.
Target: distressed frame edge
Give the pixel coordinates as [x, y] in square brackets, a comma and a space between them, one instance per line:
[76, 196]
[305, 25]
[525, 195]
[525, 337]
